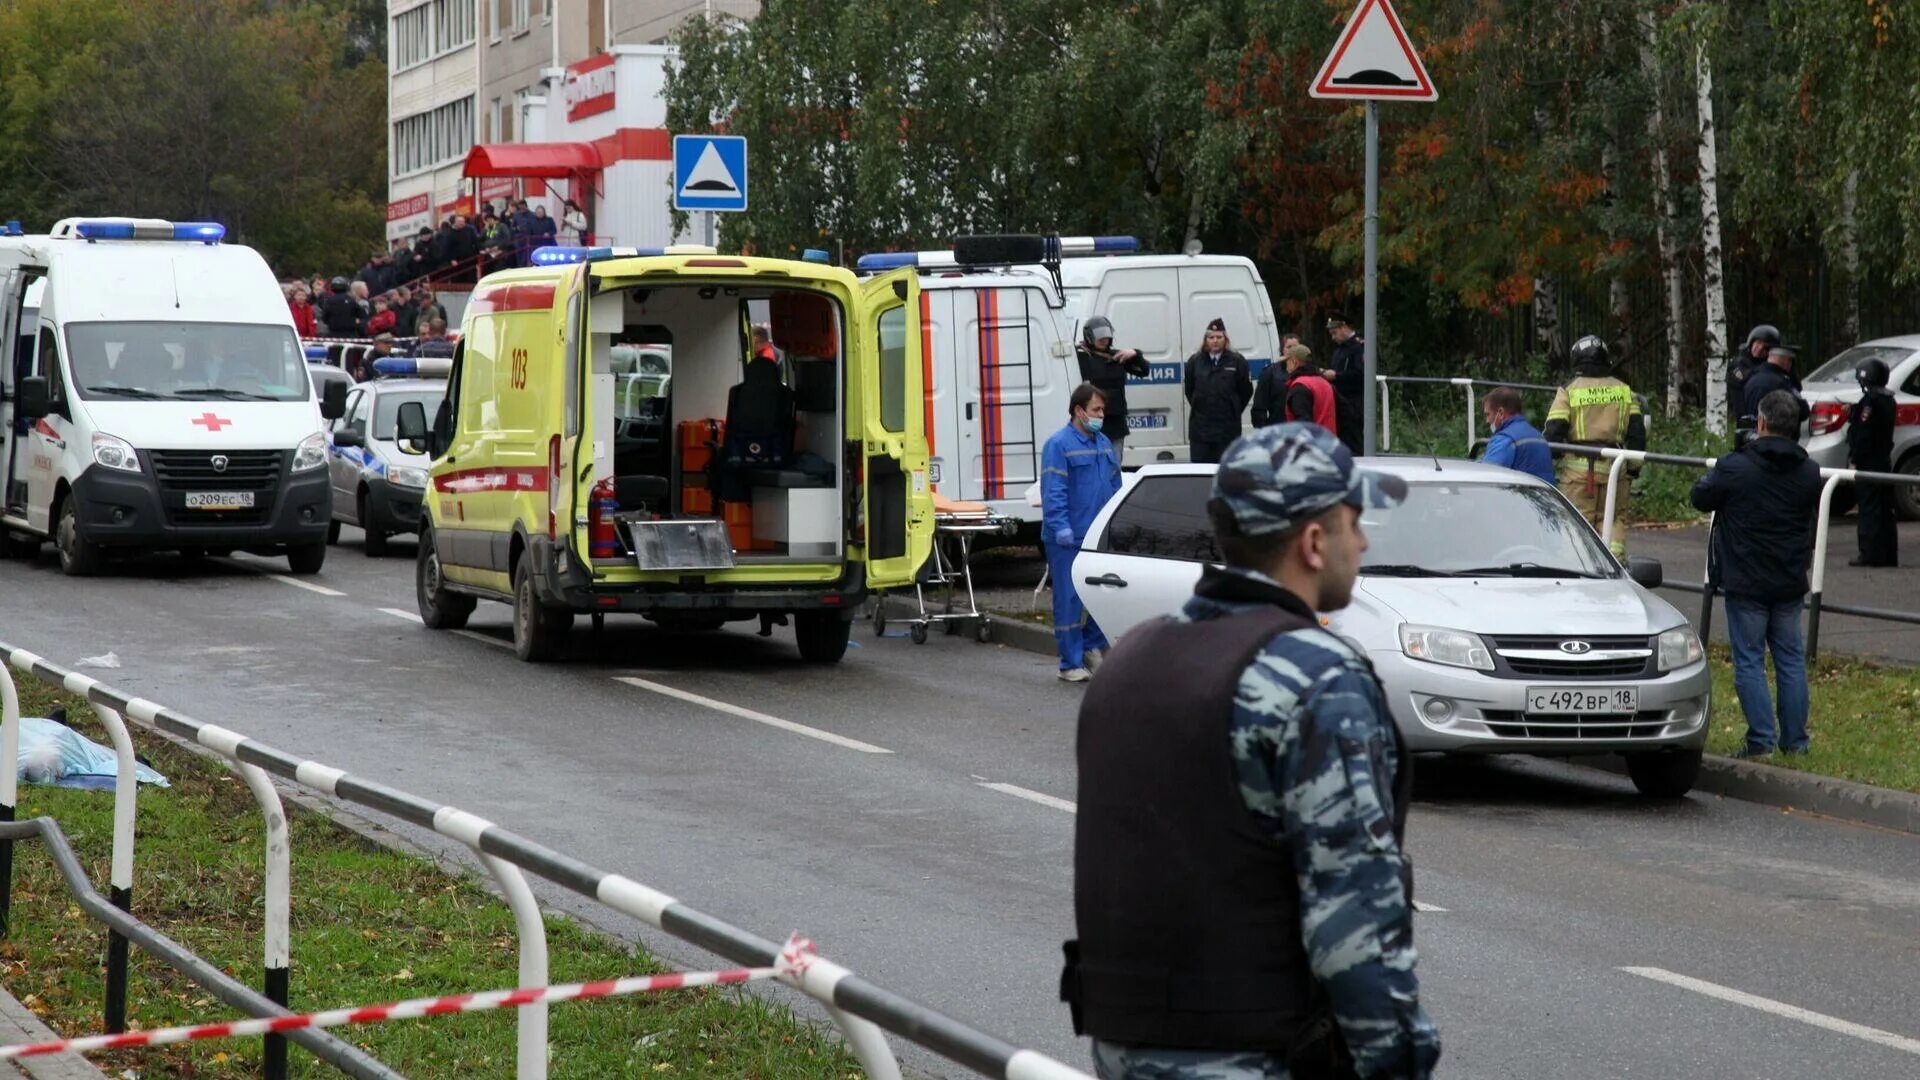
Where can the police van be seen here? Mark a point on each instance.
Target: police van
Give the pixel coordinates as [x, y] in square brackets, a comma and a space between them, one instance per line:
[155, 398]
[777, 480]
[1001, 317]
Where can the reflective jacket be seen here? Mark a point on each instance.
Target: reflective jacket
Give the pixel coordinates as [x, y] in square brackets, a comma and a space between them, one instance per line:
[1078, 474]
[1310, 397]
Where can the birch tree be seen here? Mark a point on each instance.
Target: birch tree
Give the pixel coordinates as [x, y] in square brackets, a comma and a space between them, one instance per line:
[1715, 284]
[1666, 207]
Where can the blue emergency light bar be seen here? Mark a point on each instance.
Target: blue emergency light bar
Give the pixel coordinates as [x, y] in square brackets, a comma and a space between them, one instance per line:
[315, 353]
[562, 254]
[14, 229]
[206, 232]
[1063, 247]
[424, 366]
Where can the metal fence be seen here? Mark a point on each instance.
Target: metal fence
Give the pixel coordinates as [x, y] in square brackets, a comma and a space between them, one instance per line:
[1473, 400]
[863, 1011]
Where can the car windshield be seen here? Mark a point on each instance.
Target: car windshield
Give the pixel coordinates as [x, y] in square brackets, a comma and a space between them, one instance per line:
[386, 409]
[1507, 530]
[187, 361]
[1840, 368]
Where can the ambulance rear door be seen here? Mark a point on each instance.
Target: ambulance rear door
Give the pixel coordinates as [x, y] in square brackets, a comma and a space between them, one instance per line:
[896, 509]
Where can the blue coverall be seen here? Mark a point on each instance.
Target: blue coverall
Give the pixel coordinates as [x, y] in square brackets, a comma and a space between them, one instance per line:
[1078, 474]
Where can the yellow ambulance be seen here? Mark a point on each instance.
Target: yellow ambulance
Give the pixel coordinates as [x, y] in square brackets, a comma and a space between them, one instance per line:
[693, 437]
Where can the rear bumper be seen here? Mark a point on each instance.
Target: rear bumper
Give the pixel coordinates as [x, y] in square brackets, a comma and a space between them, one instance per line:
[562, 581]
[127, 510]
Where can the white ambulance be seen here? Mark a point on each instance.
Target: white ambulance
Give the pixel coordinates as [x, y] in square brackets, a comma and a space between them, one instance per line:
[157, 399]
[1001, 315]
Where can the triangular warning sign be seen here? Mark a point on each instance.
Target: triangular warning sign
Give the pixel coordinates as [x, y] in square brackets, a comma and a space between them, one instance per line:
[710, 176]
[1374, 59]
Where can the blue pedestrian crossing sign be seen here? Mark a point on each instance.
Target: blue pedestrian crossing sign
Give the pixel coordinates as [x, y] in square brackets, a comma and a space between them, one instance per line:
[709, 172]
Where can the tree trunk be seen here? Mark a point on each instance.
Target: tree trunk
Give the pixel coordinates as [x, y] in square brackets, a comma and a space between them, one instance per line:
[1546, 315]
[1666, 210]
[1850, 254]
[1715, 283]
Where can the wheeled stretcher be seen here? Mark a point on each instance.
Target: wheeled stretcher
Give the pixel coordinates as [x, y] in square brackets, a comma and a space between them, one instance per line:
[955, 525]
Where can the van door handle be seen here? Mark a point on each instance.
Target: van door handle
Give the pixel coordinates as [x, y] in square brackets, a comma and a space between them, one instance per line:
[969, 410]
[1112, 579]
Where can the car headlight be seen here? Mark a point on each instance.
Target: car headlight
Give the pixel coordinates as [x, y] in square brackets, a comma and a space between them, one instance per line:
[1455, 648]
[312, 453]
[1679, 647]
[405, 476]
[112, 453]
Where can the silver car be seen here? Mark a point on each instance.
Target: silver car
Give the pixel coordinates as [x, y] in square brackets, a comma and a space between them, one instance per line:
[377, 485]
[1831, 388]
[1495, 617]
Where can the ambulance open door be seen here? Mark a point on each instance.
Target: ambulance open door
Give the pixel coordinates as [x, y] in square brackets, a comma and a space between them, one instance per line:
[896, 507]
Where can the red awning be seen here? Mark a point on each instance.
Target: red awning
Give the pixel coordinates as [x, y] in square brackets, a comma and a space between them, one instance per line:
[545, 161]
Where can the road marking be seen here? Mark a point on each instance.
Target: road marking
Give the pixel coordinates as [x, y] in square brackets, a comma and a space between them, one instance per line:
[1779, 1008]
[1031, 796]
[410, 616]
[485, 639]
[756, 717]
[288, 579]
[1422, 905]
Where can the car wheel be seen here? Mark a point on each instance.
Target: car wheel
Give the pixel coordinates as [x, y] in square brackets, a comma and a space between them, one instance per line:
[539, 631]
[1664, 774]
[822, 636]
[439, 608]
[78, 558]
[376, 539]
[307, 559]
[1906, 497]
[333, 532]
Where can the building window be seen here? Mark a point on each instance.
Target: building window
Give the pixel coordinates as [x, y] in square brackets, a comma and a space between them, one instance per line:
[522, 15]
[499, 20]
[432, 138]
[546, 11]
[433, 29]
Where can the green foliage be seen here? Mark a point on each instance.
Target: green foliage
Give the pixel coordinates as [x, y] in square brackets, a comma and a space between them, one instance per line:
[265, 117]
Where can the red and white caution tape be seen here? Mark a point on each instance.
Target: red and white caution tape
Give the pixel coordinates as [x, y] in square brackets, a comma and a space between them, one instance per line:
[793, 961]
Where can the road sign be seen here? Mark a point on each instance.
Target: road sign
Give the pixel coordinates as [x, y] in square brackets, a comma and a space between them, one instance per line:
[709, 172]
[1374, 59]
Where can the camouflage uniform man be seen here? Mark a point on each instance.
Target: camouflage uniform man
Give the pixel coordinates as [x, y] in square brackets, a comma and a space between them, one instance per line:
[1596, 409]
[1243, 906]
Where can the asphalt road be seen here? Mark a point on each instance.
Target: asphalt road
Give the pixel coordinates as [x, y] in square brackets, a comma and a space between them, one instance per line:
[1767, 944]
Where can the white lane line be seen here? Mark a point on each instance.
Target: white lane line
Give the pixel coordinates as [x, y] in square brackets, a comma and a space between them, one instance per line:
[288, 579]
[410, 616]
[485, 639]
[1422, 905]
[1031, 796]
[756, 717]
[1779, 1008]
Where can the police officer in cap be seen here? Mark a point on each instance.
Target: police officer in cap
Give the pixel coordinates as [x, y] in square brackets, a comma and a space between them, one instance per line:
[1599, 410]
[1742, 364]
[1107, 369]
[1870, 449]
[1243, 905]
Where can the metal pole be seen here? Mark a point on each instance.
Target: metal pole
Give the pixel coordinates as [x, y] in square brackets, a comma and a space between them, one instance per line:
[126, 784]
[9, 786]
[279, 930]
[531, 1057]
[1613, 495]
[1386, 413]
[713, 230]
[1371, 346]
[1467, 385]
[1820, 559]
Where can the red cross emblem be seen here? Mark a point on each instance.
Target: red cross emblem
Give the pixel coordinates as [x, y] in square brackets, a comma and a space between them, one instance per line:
[212, 422]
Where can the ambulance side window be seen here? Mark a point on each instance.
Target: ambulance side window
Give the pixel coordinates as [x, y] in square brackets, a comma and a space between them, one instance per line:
[47, 363]
[893, 369]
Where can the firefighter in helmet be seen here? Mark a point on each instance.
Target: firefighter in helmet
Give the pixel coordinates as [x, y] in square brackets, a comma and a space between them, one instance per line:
[1595, 409]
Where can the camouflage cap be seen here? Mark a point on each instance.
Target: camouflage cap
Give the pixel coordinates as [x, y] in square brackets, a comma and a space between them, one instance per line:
[1276, 477]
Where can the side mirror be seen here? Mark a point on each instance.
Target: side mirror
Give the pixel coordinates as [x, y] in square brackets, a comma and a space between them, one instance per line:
[1647, 573]
[442, 436]
[348, 437]
[411, 426]
[34, 400]
[333, 400]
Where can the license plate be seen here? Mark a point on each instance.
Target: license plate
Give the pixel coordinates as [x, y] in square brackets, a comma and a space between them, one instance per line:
[220, 500]
[1576, 700]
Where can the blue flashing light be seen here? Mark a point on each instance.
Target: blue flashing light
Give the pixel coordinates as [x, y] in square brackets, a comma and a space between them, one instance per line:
[104, 230]
[558, 255]
[1104, 245]
[315, 353]
[424, 367]
[888, 260]
[599, 253]
[815, 255]
[207, 232]
[14, 229]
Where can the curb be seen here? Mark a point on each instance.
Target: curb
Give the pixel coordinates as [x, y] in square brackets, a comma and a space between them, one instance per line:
[19, 1024]
[1016, 634]
[1789, 789]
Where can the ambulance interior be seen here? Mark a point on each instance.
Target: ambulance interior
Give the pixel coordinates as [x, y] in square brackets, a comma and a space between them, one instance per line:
[725, 403]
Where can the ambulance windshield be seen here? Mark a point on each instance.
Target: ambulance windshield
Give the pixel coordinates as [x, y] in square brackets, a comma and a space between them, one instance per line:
[187, 361]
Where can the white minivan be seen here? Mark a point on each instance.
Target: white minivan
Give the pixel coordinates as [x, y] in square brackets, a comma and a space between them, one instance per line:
[1000, 316]
[157, 399]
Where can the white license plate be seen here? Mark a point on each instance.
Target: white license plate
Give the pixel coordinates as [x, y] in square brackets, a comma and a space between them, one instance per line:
[1588, 700]
[220, 500]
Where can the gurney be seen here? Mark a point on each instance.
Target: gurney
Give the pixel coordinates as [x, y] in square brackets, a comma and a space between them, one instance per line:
[955, 524]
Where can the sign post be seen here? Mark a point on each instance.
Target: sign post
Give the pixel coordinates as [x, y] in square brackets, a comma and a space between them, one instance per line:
[1373, 61]
[710, 174]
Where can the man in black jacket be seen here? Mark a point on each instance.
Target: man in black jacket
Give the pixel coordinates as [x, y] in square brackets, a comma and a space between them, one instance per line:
[340, 314]
[1347, 370]
[1766, 497]
[1751, 358]
[1218, 388]
[1775, 374]
[1870, 449]
[1107, 369]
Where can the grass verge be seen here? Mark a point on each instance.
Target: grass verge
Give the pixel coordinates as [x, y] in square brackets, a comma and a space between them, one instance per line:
[369, 925]
[1865, 722]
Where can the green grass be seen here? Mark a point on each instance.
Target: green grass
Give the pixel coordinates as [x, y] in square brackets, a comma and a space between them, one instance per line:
[1865, 722]
[369, 925]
